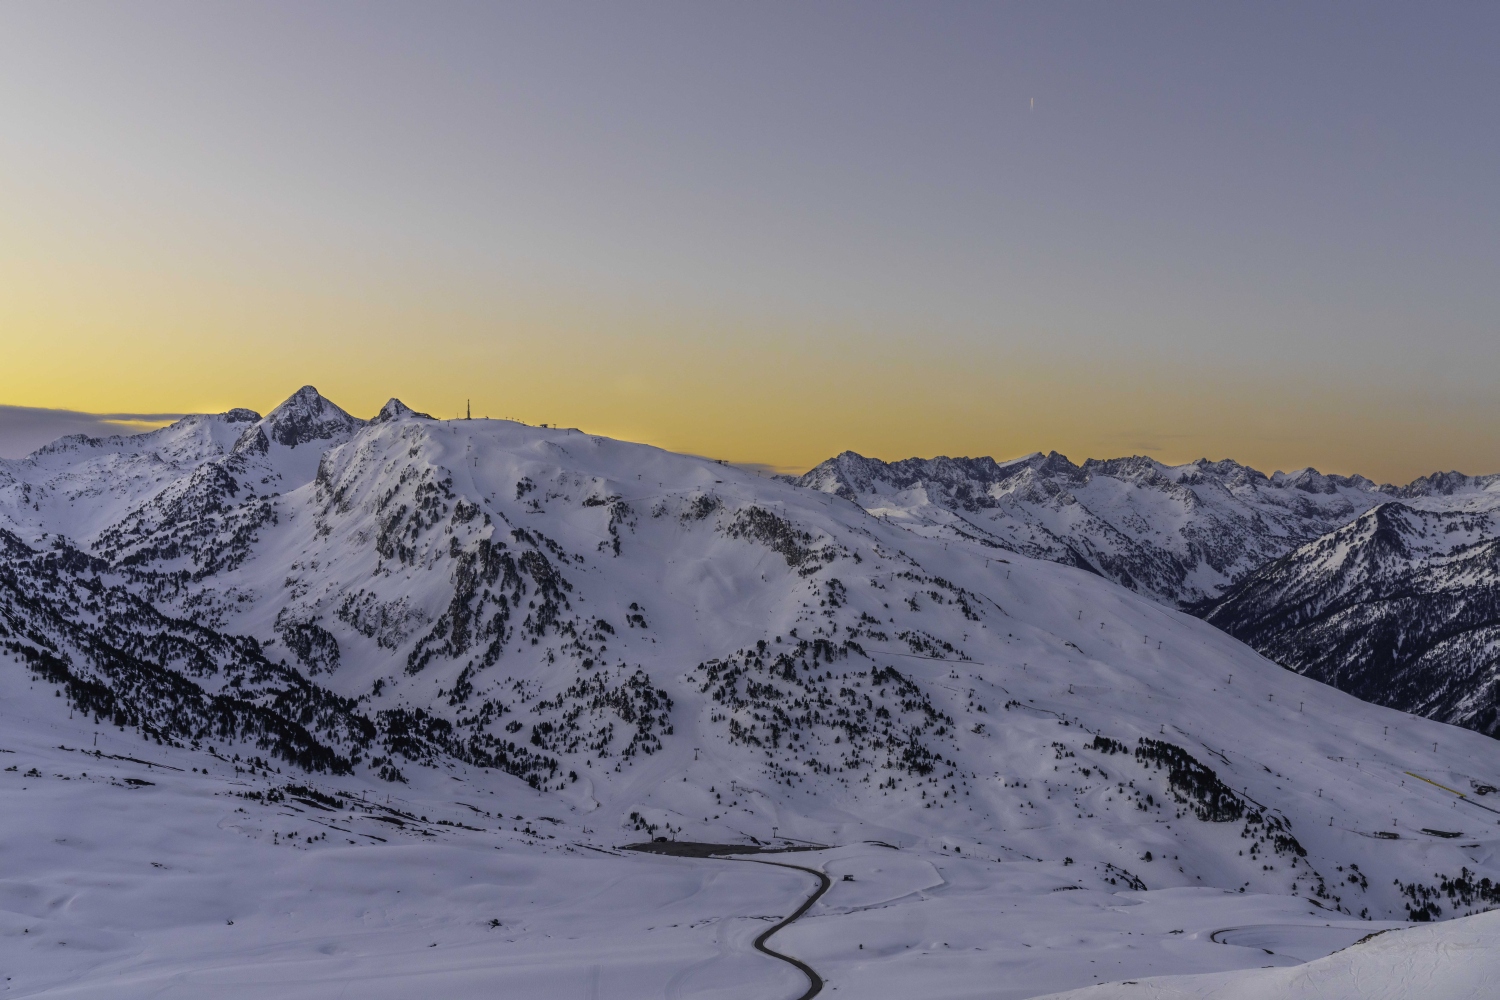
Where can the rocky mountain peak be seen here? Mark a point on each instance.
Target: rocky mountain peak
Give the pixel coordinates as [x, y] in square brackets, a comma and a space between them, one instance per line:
[1442, 484]
[845, 475]
[394, 409]
[308, 416]
[1136, 468]
[1310, 480]
[1056, 464]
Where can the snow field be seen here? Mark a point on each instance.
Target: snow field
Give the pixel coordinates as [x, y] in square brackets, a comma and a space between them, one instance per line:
[1455, 960]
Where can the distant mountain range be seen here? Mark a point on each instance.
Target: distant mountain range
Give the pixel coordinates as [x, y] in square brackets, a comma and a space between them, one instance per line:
[1388, 592]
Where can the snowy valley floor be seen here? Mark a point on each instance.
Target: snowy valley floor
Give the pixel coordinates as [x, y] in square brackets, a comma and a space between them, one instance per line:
[123, 879]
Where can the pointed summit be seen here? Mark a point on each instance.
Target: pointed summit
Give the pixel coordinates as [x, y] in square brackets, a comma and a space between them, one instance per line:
[394, 409]
[308, 416]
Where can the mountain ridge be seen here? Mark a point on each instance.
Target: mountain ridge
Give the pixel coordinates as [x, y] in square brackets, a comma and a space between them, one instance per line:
[1178, 533]
[1401, 607]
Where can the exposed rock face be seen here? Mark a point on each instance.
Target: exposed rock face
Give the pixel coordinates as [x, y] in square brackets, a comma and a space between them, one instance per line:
[394, 409]
[307, 417]
[1400, 607]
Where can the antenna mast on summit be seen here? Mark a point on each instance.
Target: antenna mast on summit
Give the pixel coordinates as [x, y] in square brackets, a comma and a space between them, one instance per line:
[468, 409]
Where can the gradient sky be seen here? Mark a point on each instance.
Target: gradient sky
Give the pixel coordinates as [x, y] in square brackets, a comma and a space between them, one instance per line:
[772, 232]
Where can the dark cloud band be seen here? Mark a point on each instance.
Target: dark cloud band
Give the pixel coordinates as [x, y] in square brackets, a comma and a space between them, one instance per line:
[24, 429]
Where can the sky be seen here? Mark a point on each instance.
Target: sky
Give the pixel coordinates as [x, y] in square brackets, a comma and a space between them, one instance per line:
[770, 232]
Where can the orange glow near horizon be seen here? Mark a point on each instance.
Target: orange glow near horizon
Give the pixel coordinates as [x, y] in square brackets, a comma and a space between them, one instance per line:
[109, 332]
[786, 402]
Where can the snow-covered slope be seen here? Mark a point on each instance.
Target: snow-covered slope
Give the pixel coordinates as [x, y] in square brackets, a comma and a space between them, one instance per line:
[78, 485]
[610, 643]
[1458, 960]
[1400, 607]
[1177, 533]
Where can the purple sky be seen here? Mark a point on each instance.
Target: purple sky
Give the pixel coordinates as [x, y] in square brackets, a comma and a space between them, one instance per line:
[1294, 202]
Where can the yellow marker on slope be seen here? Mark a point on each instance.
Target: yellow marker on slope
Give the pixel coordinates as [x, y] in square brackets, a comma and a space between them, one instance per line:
[1443, 787]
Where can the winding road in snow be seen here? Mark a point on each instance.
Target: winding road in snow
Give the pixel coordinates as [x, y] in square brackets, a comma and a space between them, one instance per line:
[814, 981]
[728, 852]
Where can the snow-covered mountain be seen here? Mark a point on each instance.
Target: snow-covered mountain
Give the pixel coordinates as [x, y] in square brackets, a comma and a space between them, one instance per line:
[1400, 607]
[1177, 533]
[619, 643]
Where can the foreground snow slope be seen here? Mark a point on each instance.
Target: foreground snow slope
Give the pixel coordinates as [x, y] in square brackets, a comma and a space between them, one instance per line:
[126, 878]
[1458, 960]
[571, 643]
